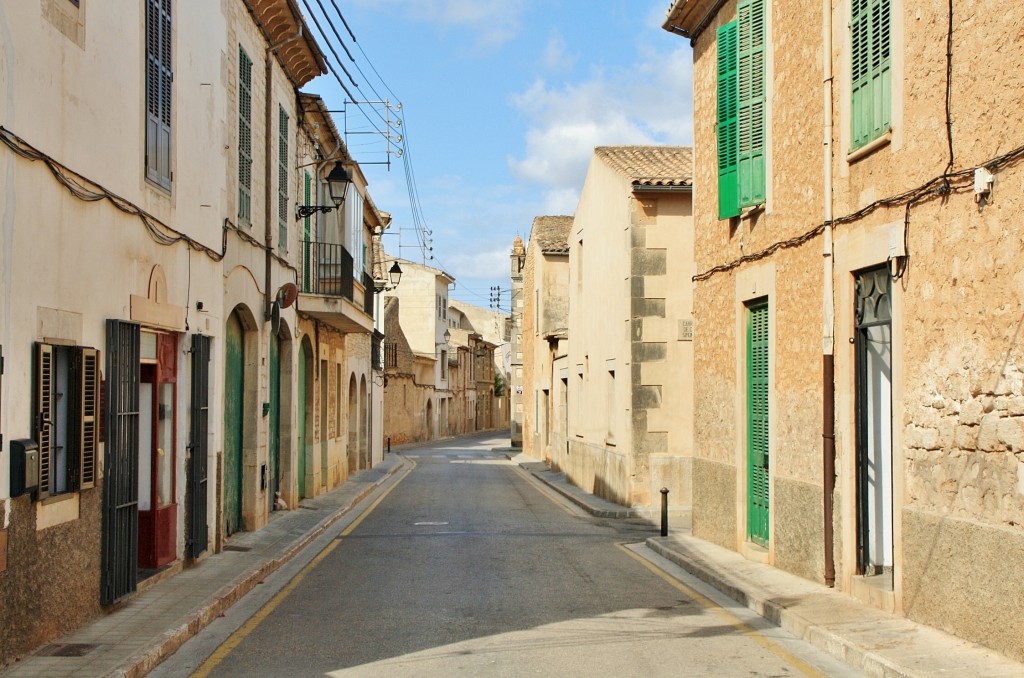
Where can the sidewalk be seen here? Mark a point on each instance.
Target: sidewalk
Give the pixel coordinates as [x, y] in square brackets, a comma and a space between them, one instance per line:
[870, 640]
[134, 638]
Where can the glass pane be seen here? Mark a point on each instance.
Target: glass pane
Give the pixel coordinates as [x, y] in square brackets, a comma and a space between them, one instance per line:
[165, 446]
[148, 346]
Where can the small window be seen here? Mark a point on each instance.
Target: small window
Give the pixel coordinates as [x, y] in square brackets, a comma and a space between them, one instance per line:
[66, 417]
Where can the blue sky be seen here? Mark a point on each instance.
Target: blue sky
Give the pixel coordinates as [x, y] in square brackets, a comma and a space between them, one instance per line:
[503, 103]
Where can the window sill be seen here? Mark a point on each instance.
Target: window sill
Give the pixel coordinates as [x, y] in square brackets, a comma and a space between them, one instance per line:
[870, 147]
[56, 510]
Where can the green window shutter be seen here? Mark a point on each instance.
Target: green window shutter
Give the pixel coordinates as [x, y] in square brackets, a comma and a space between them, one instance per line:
[158, 92]
[870, 70]
[751, 104]
[306, 247]
[282, 179]
[728, 197]
[244, 136]
[757, 423]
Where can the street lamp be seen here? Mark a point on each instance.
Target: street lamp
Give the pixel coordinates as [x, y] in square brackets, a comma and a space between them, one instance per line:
[394, 277]
[337, 186]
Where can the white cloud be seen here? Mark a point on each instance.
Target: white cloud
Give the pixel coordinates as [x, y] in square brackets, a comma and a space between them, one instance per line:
[556, 59]
[650, 103]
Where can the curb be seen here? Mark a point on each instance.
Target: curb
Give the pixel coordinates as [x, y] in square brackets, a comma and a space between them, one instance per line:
[148, 659]
[820, 637]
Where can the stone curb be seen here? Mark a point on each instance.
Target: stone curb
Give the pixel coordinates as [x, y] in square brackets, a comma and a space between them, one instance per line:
[843, 649]
[144, 661]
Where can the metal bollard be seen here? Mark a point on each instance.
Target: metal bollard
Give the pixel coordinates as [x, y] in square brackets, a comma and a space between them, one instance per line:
[389, 444]
[664, 512]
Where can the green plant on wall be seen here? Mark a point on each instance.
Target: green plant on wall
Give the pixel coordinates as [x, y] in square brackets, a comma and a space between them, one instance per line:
[499, 385]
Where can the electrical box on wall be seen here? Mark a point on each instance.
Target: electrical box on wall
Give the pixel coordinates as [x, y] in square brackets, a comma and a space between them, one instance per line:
[24, 467]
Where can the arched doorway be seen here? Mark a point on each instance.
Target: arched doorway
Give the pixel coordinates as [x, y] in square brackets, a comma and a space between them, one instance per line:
[305, 415]
[234, 407]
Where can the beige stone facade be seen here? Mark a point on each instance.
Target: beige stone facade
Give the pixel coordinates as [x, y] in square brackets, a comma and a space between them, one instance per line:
[928, 458]
[545, 328]
[629, 359]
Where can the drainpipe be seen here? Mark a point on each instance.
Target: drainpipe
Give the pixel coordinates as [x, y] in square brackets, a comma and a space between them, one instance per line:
[828, 403]
[268, 146]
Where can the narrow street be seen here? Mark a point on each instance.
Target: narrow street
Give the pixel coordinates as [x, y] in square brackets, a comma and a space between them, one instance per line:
[463, 564]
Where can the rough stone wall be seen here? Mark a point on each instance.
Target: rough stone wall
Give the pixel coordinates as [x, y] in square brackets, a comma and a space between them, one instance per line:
[794, 205]
[43, 593]
[959, 388]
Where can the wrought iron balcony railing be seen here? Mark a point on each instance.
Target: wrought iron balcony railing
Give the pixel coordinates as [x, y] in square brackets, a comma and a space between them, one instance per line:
[326, 269]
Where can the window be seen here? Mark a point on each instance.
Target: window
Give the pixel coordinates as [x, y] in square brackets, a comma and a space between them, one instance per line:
[444, 365]
[871, 71]
[741, 110]
[356, 237]
[158, 92]
[66, 410]
[282, 179]
[244, 136]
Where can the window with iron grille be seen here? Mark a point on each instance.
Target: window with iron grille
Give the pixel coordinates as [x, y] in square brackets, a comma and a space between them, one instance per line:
[390, 355]
[244, 136]
[282, 179]
[159, 75]
[66, 417]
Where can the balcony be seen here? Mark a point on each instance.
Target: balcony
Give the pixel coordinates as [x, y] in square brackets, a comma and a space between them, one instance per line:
[328, 290]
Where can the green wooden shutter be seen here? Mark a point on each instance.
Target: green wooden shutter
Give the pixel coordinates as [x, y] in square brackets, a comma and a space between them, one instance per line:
[871, 72]
[751, 104]
[282, 179]
[757, 423]
[728, 197]
[244, 136]
[158, 92]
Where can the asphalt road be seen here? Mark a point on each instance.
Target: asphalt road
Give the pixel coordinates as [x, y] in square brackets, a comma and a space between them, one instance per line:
[466, 565]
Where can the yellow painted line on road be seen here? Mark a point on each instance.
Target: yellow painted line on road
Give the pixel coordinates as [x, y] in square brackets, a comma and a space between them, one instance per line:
[249, 626]
[732, 619]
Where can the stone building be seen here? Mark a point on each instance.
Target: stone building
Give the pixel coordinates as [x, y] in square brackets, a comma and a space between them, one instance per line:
[545, 338]
[338, 399]
[630, 354]
[858, 300]
[422, 317]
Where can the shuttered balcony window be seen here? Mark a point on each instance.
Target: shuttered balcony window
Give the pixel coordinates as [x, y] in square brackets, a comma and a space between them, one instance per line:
[244, 136]
[870, 70]
[282, 179]
[741, 112]
[159, 75]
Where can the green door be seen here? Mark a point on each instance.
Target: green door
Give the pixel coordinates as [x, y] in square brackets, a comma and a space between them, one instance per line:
[757, 423]
[303, 366]
[234, 393]
[274, 453]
